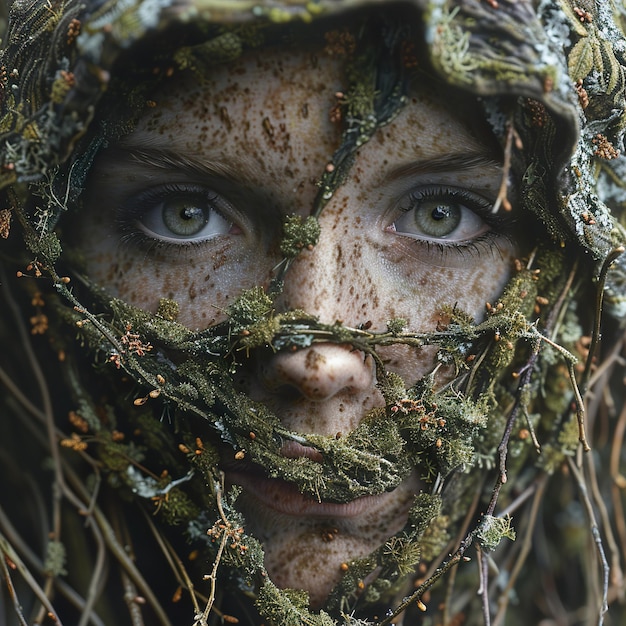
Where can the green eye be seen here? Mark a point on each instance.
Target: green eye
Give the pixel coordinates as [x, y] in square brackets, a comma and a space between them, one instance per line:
[445, 214]
[184, 218]
[181, 215]
[437, 219]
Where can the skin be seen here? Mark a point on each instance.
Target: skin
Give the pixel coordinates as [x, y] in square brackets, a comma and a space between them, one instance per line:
[258, 133]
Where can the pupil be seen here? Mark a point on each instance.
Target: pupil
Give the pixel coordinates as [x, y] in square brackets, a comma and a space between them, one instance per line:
[191, 212]
[440, 213]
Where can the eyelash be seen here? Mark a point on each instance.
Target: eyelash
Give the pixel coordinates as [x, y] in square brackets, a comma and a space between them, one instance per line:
[131, 210]
[501, 224]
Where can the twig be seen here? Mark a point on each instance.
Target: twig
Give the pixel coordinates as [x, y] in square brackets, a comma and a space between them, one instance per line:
[7, 550]
[176, 565]
[453, 560]
[539, 488]
[582, 487]
[120, 554]
[616, 573]
[9, 582]
[595, 335]
[201, 619]
[618, 480]
[457, 542]
[23, 548]
[502, 200]
[483, 577]
[96, 577]
[130, 597]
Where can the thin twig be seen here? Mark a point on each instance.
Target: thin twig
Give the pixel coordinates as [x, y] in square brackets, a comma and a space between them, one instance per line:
[483, 577]
[9, 582]
[595, 335]
[502, 200]
[539, 488]
[419, 592]
[471, 512]
[618, 479]
[616, 573]
[7, 549]
[130, 597]
[202, 618]
[177, 566]
[582, 487]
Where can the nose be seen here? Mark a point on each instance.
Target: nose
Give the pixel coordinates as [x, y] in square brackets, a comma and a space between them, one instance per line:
[319, 372]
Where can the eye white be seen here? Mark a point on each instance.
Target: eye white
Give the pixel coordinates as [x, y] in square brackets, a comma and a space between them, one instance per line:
[183, 218]
[445, 216]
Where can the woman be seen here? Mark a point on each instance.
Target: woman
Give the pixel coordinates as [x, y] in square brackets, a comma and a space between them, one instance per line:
[317, 278]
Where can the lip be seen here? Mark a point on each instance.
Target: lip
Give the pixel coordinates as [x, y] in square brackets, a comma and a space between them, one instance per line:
[284, 497]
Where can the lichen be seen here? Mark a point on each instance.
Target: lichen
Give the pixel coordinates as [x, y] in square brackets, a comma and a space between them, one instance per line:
[56, 559]
[493, 529]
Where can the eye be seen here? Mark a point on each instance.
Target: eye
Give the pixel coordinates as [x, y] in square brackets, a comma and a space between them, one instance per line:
[442, 214]
[178, 214]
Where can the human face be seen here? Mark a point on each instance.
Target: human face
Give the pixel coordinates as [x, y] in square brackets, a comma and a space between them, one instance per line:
[190, 205]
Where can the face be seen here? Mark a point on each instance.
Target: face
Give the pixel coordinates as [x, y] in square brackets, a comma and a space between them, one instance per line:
[190, 205]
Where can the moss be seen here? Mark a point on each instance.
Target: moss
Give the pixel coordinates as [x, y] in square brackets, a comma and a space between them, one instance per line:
[554, 453]
[45, 245]
[251, 307]
[299, 233]
[260, 334]
[392, 387]
[396, 326]
[168, 309]
[176, 507]
[288, 606]
[492, 530]
[394, 559]
[435, 537]
[200, 58]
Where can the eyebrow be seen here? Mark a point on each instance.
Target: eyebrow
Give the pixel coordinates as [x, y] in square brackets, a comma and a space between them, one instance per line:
[448, 162]
[164, 159]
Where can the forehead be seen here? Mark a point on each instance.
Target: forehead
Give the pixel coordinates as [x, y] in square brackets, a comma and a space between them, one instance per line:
[285, 100]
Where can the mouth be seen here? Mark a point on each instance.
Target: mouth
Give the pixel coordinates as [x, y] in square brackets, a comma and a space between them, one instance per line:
[283, 497]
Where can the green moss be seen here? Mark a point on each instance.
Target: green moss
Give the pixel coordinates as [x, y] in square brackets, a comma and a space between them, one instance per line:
[392, 386]
[281, 607]
[168, 309]
[45, 245]
[200, 58]
[435, 537]
[299, 233]
[260, 334]
[396, 326]
[176, 507]
[251, 307]
[493, 529]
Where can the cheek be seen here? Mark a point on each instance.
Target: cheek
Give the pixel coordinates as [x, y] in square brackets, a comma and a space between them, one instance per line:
[418, 291]
[203, 284]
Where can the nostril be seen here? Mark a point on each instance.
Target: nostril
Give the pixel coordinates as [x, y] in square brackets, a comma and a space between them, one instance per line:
[319, 372]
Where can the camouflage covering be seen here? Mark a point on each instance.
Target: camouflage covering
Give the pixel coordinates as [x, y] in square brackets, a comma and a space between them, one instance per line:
[550, 77]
